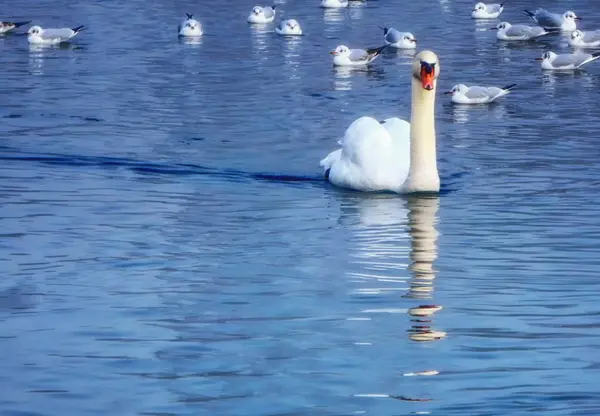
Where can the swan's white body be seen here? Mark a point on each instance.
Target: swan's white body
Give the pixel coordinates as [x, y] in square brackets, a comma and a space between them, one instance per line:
[289, 27]
[394, 155]
[487, 11]
[334, 4]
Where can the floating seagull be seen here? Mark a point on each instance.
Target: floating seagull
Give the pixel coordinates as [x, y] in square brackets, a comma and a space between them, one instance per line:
[547, 20]
[190, 27]
[261, 14]
[461, 94]
[8, 26]
[506, 31]
[289, 27]
[343, 56]
[487, 11]
[567, 61]
[399, 40]
[334, 4]
[39, 36]
[581, 39]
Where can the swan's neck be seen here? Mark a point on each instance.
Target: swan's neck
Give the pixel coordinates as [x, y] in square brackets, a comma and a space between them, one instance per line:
[423, 175]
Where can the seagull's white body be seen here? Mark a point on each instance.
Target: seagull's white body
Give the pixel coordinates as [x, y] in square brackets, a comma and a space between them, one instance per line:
[487, 11]
[399, 40]
[190, 27]
[334, 4]
[462, 94]
[6, 27]
[38, 36]
[289, 27]
[566, 21]
[260, 14]
[568, 61]
[509, 32]
[580, 39]
[343, 56]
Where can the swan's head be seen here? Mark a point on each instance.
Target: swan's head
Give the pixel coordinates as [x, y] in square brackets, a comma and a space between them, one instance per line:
[426, 69]
[571, 16]
[479, 7]
[576, 34]
[34, 30]
[409, 37]
[341, 50]
[292, 24]
[547, 56]
[503, 26]
[458, 89]
[257, 11]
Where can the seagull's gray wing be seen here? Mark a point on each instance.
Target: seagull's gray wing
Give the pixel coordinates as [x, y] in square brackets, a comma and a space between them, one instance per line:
[357, 55]
[582, 58]
[476, 93]
[269, 12]
[593, 36]
[565, 61]
[528, 32]
[494, 8]
[393, 36]
[62, 34]
[546, 19]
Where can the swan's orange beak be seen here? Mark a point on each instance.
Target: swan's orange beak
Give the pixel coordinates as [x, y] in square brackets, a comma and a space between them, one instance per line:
[427, 75]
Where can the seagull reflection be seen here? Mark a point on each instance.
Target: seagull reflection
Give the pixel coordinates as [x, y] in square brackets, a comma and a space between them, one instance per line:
[190, 40]
[333, 15]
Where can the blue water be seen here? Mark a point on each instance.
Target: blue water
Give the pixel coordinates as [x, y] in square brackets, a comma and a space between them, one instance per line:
[168, 245]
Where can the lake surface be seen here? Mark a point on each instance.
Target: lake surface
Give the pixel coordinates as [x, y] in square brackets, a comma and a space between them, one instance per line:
[168, 245]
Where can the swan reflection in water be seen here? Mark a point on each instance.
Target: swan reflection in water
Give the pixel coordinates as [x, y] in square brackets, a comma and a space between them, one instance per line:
[422, 220]
[381, 248]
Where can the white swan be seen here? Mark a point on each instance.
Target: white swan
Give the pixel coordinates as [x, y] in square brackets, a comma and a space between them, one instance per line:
[393, 155]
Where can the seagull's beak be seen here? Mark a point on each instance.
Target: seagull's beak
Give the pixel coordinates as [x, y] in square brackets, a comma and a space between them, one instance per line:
[578, 18]
[539, 59]
[413, 40]
[333, 53]
[493, 28]
[449, 92]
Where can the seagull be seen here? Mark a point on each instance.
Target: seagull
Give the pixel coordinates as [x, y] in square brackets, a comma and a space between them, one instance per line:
[8, 26]
[506, 31]
[261, 14]
[334, 4]
[190, 27]
[343, 56]
[289, 27]
[39, 36]
[487, 11]
[567, 61]
[399, 40]
[547, 20]
[461, 94]
[581, 39]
